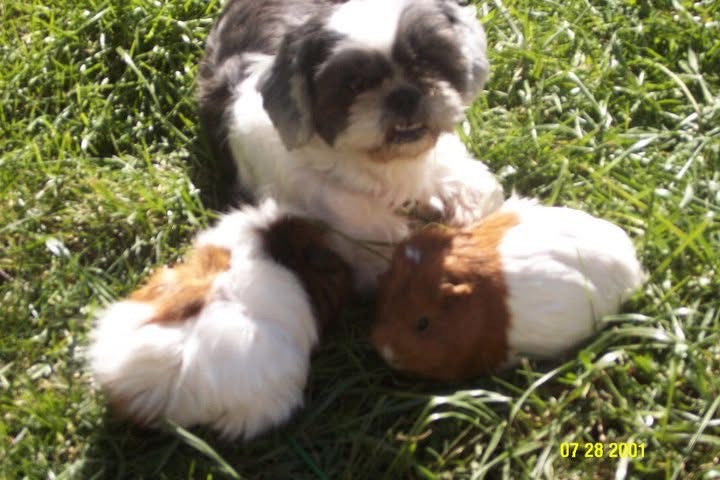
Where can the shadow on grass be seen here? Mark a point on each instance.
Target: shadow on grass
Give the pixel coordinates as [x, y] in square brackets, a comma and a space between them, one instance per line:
[212, 171]
[122, 451]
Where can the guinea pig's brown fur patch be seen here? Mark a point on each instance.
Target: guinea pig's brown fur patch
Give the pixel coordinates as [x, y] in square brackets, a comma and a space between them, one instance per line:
[455, 280]
[181, 291]
[302, 246]
[474, 262]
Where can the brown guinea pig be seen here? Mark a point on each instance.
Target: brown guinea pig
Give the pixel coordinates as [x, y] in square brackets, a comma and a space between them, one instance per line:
[527, 280]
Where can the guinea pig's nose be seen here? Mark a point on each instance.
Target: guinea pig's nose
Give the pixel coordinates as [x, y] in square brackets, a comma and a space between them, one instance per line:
[388, 354]
[380, 342]
[404, 101]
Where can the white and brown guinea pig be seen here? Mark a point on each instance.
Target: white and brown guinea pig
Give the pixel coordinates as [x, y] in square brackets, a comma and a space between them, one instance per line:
[528, 280]
[224, 338]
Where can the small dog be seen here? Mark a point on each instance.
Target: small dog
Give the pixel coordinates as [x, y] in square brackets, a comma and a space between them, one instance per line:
[346, 111]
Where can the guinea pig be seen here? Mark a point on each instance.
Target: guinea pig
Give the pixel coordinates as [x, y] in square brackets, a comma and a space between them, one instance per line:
[224, 338]
[528, 280]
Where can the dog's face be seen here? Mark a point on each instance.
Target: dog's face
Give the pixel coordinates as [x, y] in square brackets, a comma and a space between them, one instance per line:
[379, 77]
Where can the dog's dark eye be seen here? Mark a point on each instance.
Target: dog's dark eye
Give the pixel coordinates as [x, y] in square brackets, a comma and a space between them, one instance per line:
[422, 324]
[357, 84]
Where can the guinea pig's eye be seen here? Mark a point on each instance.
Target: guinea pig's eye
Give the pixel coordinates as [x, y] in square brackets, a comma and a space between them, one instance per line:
[422, 324]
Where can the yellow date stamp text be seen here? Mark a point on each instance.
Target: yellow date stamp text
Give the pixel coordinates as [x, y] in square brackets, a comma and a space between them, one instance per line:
[602, 450]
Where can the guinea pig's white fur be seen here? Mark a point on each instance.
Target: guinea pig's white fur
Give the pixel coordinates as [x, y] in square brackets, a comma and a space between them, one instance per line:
[564, 270]
[239, 364]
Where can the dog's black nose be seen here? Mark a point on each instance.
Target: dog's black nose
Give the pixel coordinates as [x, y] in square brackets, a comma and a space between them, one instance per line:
[404, 101]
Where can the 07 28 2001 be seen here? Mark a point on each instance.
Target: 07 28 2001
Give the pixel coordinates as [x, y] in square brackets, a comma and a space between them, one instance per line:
[602, 450]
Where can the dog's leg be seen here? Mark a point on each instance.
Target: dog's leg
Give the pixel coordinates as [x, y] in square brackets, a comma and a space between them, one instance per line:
[462, 189]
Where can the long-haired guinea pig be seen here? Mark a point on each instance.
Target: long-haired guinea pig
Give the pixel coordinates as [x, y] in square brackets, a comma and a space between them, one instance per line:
[225, 337]
[527, 281]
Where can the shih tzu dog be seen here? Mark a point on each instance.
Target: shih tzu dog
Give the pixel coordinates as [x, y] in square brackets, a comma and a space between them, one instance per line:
[346, 110]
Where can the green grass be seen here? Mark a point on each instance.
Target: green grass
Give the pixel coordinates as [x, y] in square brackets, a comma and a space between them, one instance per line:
[612, 107]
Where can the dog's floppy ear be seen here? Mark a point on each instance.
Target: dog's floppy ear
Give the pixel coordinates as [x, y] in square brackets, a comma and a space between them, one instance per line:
[464, 19]
[286, 87]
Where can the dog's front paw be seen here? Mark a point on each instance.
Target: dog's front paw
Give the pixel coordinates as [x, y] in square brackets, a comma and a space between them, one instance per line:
[421, 213]
[467, 199]
[461, 187]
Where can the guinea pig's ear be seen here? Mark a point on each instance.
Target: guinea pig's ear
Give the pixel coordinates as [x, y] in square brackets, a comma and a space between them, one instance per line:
[456, 290]
[285, 87]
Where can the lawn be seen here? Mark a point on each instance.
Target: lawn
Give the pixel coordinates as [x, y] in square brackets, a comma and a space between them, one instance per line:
[610, 106]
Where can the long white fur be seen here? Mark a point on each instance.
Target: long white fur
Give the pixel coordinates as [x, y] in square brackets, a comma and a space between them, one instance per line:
[564, 270]
[240, 365]
[368, 23]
